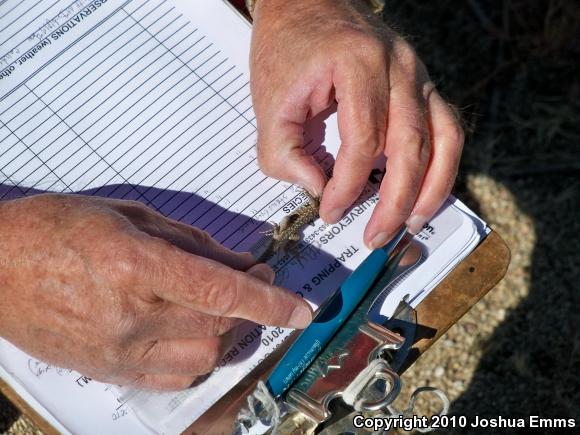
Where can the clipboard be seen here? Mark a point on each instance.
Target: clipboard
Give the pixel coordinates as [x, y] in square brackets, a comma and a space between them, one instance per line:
[462, 288]
[472, 279]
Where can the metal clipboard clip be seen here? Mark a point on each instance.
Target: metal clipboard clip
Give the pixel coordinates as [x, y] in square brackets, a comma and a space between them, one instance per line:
[357, 372]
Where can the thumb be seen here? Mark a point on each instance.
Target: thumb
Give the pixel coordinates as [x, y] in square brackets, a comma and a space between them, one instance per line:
[281, 154]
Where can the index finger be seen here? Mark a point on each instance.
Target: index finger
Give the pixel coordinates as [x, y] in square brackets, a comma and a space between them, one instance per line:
[209, 287]
[362, 114]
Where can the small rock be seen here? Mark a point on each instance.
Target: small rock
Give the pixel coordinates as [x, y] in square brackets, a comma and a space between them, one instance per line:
[500, 314]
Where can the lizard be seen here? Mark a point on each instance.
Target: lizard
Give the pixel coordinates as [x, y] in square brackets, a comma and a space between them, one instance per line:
[290, 228]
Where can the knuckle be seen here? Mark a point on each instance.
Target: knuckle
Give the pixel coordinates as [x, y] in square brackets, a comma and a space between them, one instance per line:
[374, 52]
[118, 258]
[405, 53]
[48, 200]
[203, 241]
[416, 135]
[120, 350]
[133, 206]
[372, 146]
[208, 326]
[135, 211]
[220, 299]
[408, 66]
[200, 237]
[126, 261]
[194, 319]
[114, 356]
[126, 322]
[265, 161]
[220, 325]
[125, 266]
[356, 35]
[416, 138]
[371, 55]
[401, 205]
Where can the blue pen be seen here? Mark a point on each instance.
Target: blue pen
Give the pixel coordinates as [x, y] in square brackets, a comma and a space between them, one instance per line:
[329, 318]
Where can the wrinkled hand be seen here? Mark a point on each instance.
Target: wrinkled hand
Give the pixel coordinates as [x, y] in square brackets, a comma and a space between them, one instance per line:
[124, 295]
[305, 55]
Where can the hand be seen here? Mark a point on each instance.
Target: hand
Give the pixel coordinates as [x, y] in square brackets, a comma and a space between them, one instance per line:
[307, 54]
[123, 295]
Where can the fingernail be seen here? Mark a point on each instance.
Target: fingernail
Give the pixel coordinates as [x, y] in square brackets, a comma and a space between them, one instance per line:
[335, 215]
[379, 240]
[416, 223]
[314, 191]
[301, 317]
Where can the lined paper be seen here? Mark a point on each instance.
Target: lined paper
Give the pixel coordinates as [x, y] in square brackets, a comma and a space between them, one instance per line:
[145, 101]
[149, 100]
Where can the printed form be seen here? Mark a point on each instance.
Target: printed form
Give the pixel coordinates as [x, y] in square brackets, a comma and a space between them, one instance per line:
[149, 100]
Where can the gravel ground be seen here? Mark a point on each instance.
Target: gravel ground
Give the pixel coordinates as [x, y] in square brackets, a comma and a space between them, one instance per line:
[509, 66]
